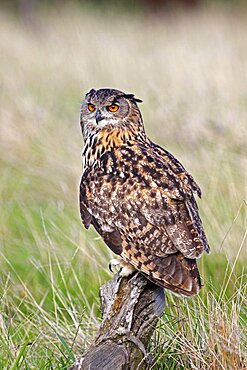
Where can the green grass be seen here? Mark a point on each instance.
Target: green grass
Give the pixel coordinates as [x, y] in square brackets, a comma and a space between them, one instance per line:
[190, 70]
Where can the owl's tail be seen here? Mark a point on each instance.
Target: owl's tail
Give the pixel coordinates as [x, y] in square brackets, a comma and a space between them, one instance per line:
[174, 272]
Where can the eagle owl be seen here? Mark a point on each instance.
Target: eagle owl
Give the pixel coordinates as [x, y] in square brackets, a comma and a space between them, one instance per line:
[139, 197]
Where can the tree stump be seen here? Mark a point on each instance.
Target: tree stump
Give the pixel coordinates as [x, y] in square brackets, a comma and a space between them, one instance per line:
[130, 307]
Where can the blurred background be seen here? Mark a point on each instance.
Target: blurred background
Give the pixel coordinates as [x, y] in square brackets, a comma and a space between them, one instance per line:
[187, 61]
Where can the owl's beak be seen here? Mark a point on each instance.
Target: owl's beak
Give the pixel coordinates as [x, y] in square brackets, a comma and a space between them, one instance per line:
[98, 116]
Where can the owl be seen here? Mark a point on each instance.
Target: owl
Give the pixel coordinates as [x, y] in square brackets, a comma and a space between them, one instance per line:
[137, 195]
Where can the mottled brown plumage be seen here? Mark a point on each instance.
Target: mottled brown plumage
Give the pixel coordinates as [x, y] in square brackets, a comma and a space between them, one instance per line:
[137, 195]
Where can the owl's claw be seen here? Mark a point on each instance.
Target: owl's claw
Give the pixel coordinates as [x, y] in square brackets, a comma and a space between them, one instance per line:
[113, 263]
[110, 267]
[125, 269]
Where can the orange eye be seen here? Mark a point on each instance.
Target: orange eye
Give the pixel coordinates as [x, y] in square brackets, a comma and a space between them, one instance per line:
[113, 108]
[91, 107]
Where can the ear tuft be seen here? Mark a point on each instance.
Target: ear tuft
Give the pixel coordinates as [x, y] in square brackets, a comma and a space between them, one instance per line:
[90, 92]
[137, 100]
[132, 97]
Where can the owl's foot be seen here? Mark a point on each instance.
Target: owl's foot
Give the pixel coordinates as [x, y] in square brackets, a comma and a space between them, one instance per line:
[125, 269]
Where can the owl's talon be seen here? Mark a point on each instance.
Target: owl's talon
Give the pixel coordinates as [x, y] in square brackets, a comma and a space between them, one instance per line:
[119, 278]
[125, 268]
[110, 267]
[113, 263]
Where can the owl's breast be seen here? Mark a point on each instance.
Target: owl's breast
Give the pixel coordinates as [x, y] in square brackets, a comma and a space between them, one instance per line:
[103, 188]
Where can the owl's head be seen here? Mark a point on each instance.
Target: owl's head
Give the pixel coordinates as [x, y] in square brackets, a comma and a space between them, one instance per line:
[109, 109]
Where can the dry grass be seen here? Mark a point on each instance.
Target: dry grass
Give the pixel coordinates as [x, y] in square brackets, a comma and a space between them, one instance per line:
[190, 70]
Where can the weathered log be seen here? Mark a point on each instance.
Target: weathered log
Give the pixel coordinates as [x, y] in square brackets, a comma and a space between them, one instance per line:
[130, 310]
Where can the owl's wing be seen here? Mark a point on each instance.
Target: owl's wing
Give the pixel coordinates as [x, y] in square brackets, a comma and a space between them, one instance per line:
[168, 199]
[166, 236]
[188, 206]
[184, 178]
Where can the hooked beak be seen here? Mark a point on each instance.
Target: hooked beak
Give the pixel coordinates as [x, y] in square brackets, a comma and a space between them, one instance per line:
[98, 116]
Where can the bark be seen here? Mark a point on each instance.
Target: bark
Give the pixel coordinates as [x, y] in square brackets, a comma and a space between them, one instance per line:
[130, 310]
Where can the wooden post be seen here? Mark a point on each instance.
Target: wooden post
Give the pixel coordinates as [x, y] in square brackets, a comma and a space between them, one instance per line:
[130, 310]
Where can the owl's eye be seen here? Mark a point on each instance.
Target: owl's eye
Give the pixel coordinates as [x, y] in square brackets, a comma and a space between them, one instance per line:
[112, 108]
[91, 107]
